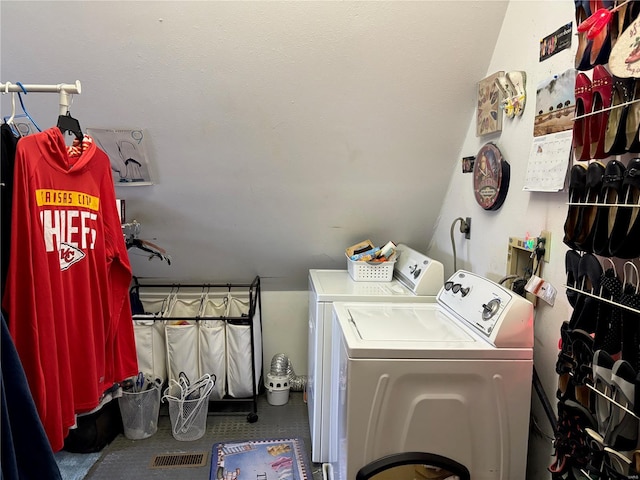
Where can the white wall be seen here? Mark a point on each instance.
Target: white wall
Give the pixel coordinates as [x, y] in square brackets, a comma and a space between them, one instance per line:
[285, 327]
[525, 24]
[279, 132]
[245, 102]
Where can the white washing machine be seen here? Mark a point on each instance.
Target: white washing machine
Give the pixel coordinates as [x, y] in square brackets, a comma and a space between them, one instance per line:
[451, 378]
[416, 278]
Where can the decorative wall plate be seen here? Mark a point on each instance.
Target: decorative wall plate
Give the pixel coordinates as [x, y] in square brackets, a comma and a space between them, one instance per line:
[491, 175]
[624, 60]
[489, 117]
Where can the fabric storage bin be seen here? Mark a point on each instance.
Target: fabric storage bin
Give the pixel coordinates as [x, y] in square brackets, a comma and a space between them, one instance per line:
[239, 373]
[238, 306]
[181, 341]
[184, 305]
[181, 336]
[153, 303]
[215, 305]
[151, 348]
[212, 346]
[149, 331]
[239, 330]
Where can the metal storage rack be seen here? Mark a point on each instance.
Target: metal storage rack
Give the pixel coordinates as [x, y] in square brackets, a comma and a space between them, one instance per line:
[160, 309]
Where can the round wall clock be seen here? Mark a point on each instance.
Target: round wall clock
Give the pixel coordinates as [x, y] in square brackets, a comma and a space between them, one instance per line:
[490, 177]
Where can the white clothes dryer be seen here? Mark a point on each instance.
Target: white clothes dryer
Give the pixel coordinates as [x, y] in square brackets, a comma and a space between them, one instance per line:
[451, 378]
[416, 278]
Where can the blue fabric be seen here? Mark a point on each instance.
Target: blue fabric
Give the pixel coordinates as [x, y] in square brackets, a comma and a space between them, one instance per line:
[26, 452]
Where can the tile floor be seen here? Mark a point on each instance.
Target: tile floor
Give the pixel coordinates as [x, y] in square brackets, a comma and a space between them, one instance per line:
[131, 459]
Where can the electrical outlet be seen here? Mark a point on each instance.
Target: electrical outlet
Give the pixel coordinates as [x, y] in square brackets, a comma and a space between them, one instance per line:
[545, 237]
[467, 228]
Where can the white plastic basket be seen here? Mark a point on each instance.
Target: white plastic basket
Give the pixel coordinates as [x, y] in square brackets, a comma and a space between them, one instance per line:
[370, 272]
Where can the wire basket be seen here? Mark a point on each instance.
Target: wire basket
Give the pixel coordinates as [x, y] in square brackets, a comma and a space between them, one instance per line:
[188, 407]
[139, 411]
[370, 271]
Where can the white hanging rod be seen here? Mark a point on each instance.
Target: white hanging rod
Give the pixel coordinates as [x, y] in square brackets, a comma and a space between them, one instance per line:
[64, 89]
[611, 400]
[627, 205]
[612, 107]
[602, 299]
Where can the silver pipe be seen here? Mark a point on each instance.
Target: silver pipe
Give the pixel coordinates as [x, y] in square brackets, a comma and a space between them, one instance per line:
[281, 366]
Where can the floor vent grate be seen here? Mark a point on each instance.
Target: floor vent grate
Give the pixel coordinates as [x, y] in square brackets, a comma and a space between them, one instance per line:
[178, 460]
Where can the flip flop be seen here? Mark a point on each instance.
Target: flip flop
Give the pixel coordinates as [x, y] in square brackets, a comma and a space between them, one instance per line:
[631, 326]
[596, 447]
[571, 261]
[564, 364]
[602, 369]
[618, 465]
[577, 195]
[582, 348]
[584, 313]
[622, 431]
[608, 335]
[571, 445]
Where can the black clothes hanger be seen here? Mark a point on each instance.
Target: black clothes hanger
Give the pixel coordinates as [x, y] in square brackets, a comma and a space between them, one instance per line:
[66, 123]
[148, 247]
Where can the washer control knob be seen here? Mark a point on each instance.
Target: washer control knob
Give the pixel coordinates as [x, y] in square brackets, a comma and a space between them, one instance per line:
[464, 291]
[490, 309]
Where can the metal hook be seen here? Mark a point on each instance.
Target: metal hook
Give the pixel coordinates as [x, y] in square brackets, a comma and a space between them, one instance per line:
[613, 265]
[13, 108]
[625, 274]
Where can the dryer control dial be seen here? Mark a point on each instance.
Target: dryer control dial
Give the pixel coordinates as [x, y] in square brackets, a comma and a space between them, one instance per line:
[490, 308]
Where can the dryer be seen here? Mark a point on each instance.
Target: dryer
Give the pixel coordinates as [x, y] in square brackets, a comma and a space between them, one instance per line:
[416, 278]
[451, 378]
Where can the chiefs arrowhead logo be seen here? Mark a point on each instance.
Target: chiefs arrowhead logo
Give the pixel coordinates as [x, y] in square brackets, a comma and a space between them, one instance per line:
[69, 255]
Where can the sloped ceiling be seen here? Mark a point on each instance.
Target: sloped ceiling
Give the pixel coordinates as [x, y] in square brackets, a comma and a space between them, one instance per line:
[278, 133]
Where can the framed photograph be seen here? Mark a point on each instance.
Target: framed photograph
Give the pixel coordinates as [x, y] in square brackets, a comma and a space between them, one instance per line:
[467, 164]
[489, 118]
[127, 151]
[555, 104]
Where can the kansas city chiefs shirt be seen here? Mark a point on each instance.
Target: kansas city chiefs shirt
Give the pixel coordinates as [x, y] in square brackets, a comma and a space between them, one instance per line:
[67, 286]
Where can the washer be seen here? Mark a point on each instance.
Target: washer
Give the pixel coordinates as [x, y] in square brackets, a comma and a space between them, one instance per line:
[416, 278]
[451, 378]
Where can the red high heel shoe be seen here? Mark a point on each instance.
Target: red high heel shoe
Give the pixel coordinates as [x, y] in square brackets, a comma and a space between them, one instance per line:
[583, 96]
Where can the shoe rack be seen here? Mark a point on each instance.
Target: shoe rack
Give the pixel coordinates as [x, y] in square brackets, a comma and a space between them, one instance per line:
[598, 364]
